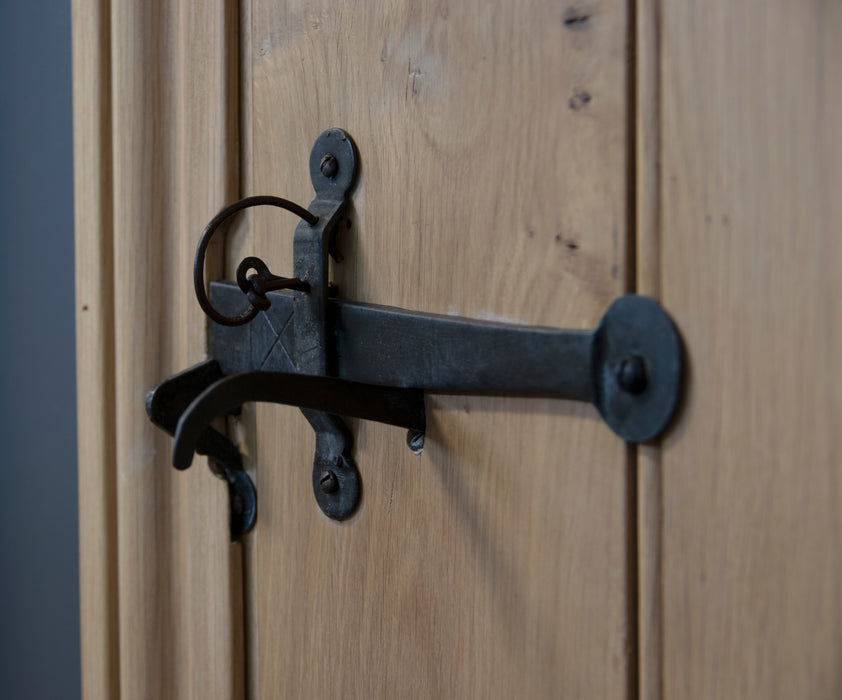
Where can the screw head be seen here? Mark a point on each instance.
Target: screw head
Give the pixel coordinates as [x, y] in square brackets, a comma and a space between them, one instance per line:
[328, 482]
[632, 374]
[329, 166]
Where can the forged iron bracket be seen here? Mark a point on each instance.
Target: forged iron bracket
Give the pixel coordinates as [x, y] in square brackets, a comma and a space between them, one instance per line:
[296, 344]
[333, 170]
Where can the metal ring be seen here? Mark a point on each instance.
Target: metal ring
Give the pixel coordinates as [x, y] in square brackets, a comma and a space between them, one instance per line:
[246, 264]
[210, 229]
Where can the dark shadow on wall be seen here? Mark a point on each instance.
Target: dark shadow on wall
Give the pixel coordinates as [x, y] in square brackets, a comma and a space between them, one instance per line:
[39, 567]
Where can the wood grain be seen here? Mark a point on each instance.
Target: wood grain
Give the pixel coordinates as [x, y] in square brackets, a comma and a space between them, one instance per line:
[494, 148]
[752, 174]
[174, 165]
[95, 349]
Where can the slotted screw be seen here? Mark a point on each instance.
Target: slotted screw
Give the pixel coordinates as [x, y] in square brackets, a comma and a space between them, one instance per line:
[329, 166]
[328, 482]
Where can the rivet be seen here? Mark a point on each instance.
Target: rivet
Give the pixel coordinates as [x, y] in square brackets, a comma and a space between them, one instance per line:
[632, 374]
[329, 166]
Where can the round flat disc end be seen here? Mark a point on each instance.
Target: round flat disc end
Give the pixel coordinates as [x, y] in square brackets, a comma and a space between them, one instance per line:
[333, 164]
[637, 367]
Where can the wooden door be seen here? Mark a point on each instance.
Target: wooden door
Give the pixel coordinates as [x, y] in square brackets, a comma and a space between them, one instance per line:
[155, 134]
[494, 184]
[748, 237]
[525, 161]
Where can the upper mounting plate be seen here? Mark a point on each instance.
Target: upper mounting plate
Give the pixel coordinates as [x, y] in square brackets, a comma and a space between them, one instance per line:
[332, 180]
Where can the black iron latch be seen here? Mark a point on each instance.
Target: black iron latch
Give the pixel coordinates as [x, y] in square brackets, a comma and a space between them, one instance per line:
[297, 344]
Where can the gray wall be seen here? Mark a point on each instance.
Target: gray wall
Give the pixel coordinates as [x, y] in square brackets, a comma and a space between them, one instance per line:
[39, 569]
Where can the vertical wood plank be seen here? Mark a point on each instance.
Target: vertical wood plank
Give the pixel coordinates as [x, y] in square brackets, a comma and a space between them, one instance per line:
[494, 144]
[752, 171]
[647, 207]
[175, 165]
[95, 349]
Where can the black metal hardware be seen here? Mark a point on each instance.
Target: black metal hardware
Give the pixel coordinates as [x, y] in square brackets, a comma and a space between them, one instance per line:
[333, 357]
[629, 367]
[166, 404]
[254, 286]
